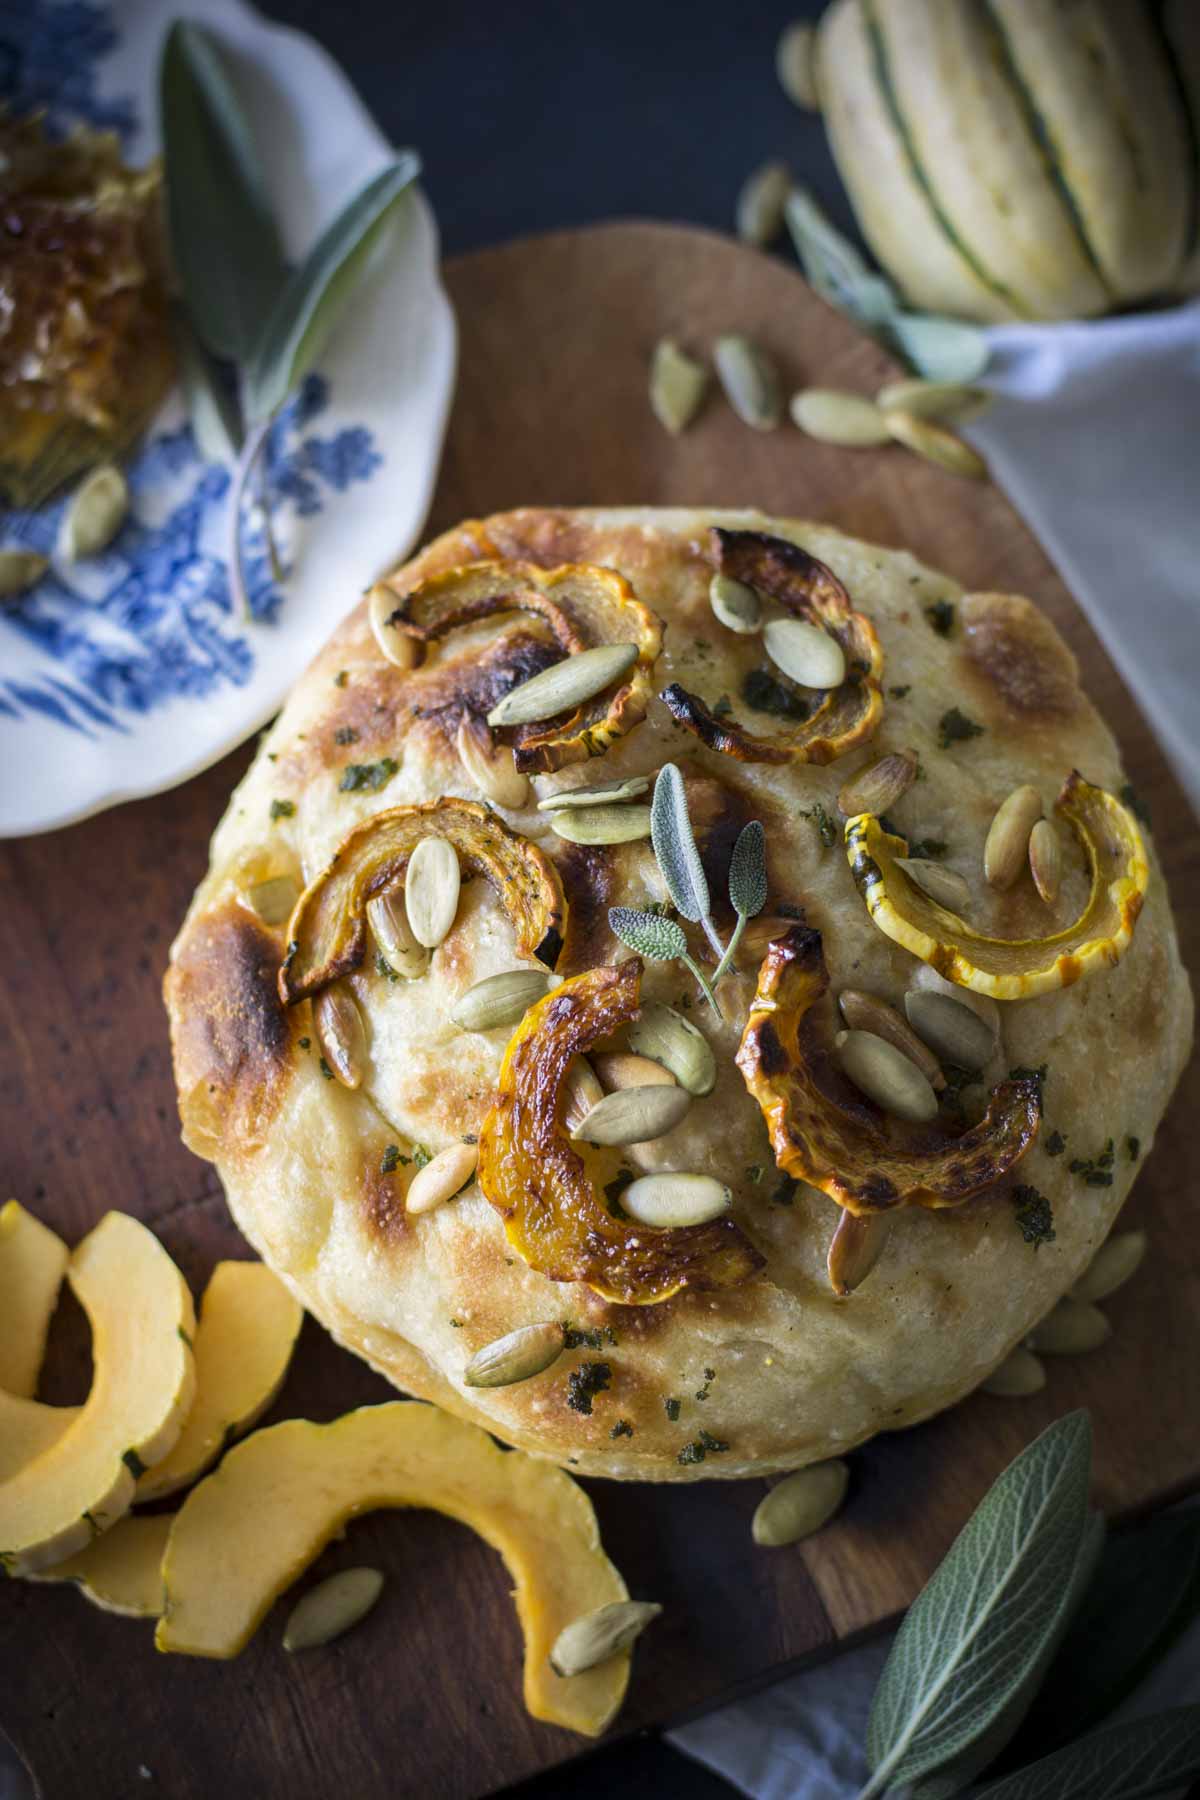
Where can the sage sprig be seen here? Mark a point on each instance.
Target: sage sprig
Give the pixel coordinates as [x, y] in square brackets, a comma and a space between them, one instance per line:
[1124, 1762]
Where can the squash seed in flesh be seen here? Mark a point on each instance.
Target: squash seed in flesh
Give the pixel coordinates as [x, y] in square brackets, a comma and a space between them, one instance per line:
[886, 1076]
[601, 824]
[835, 417]
[19, 571]
[854, 1249]
[432, 883]
[677, 386]
[1007, 847]
[441, 1178]
[800, 1504]
[273, 900]
[564, 686]
[1074, 1327]
[391, 930]
[585, 1642]
[795, 65]
[341, 1035]
[396, 647]
[501, 999]
[490, 765]
[935, 444]
[623, 1069]
[805, 652]
[933, 399]
[666, 1037]
[1045, 860]
[956, 1033]
[672, 1201]
[518, 1356]
[866, 1012]
[605, 793]
[633, 1116]
[95, 513]
[581, 1092]
[877, 788]
[1111, 1267]
[760, 204]
[945, 886]
[735, 605]
[1020, 1374]
[750, 382]
[331, 1608]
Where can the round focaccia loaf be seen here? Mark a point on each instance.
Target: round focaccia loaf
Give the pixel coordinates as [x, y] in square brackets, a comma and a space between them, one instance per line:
[776, 1371]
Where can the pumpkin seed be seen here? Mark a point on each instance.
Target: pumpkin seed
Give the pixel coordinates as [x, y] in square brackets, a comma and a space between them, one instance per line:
[1007, 846]
[760, 204]
[389, 924]
[935, 444]
[944, 886]
[395, 645]
[623, 1069]
[671, 1201]
[866, 1012]
[933, 399]
[564, 686]
[431, 889]
[1073, 1328]
[835, 417]
[854, 1249]
[800, 1504]
[490, 765]
[581, 1092]
[606, 793]
[958, 1035]
[1111, 1267]
[341, 1034]
[1020, 1374]
[677, 386]
[806, 653]
[750, 382]
[516, 1357]
[19, 571]
[1045, 860]
[736, 606]
[331, 1608]
[600, 1634]
[886, 1076]
[927, 980]
[442, 1177]
[877, 788]
[274, 899]
[501, 999]
[633, 1116]
[666, 1037]
[795, 65]
[602, 824]
[96, 512]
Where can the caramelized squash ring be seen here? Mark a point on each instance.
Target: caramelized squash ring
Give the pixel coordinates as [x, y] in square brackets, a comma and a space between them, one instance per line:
[846, 716]
[555, 1220]
[1014, 968]
[327, 936]
[825, 1132]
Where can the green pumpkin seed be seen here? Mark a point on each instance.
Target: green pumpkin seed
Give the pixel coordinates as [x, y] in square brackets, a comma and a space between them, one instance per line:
[633, 1116]
[854, 1249]
[1045, 860]
[806, 653]
[1007, 847]
[677, 386]
[736, 606]
[1074, 1327]
[565, 685]
[760, 204]
[331, 1608]
[432, 883]
[666, 1037]
[876, 789]
[800, 1504]
[490, 765]
[1020, 1374]
[19, 571]
[1111, 1267]
[96, 512]
[388, 920]
[943, 886]
[602, 824]
[886, 1076]
[670, 1201]
[519, 1356]
[751, 384]
[958, 1035]
[397, 647]
[933, 399]
[501, 999]
[273, 900]
[835, 417]
[580, 1092]
[341, 1034]
[866, 1012]
[795, 65]
[606, 793]
[936, 445]
[598, 1635]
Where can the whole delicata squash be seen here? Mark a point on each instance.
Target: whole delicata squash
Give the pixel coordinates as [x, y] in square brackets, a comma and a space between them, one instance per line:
[583, 607]
[1014, 969]
[328, 931]
[844, 717]
[825, 1132]
[555, 1218]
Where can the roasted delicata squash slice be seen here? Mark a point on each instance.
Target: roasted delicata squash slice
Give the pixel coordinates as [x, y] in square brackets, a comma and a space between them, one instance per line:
[28, 1428]
[844, 717]
[249, 1530]
[32, 1261]
[142, 1387]
[825, 1132]
[1014, 969]
[244, 1341]
[554, 1215]
[582, 606]
[121, 1572]
[328, 931]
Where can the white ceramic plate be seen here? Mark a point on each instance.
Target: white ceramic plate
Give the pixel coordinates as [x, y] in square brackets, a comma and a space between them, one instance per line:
[125, 674]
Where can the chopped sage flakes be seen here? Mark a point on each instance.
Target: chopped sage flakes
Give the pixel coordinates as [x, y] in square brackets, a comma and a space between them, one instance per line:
[899, 692]
[954, 727]
[1095, 1170]
[1055, 1144]
[421, 1155]
[705, 1445]
[576, 1337]
[391, 1159]
[341, 678]
[1133, 1148]
[1023, 1073]
[345, 734]
[671, 1408]
[784, 1191]
[622, 1428]
[304, 1043]
[585, 1382]
[763, 693]
[825, 823]
[367, 778]
[710, 1375]
[928, 849]
[282, 809]
[941, 617]
[1035, 1217]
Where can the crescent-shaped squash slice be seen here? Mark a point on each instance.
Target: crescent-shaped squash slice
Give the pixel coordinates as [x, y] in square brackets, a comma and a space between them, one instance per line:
[555, 1217]
[28, 1428]
[583, 606]
[244, 1341]
[1005, 968]
[122, 1571]
[825, 1132]
[32, 1261]
[249, 1530]
[143, 1381]
[328, 931]
[845, 716]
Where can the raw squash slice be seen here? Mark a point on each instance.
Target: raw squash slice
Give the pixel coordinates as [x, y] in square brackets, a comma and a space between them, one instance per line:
[32, 1261]
[28, 1429]
[121, 1572]
[1014, 969]
[249, 1530]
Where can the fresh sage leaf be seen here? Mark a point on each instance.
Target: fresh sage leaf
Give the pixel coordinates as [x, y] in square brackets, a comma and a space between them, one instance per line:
[748, 871]
[675, 846]
[939, 349]
[1123, 1762]
[979, 1627]
[649, 934]
[312, 300]
[212, 406]
[224, 240]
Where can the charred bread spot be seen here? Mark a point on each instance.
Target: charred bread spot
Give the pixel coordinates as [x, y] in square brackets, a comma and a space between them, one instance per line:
[383, 1207]
[1031, 675]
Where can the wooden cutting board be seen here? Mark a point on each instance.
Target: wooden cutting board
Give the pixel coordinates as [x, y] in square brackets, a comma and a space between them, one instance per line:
[424, 1698]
